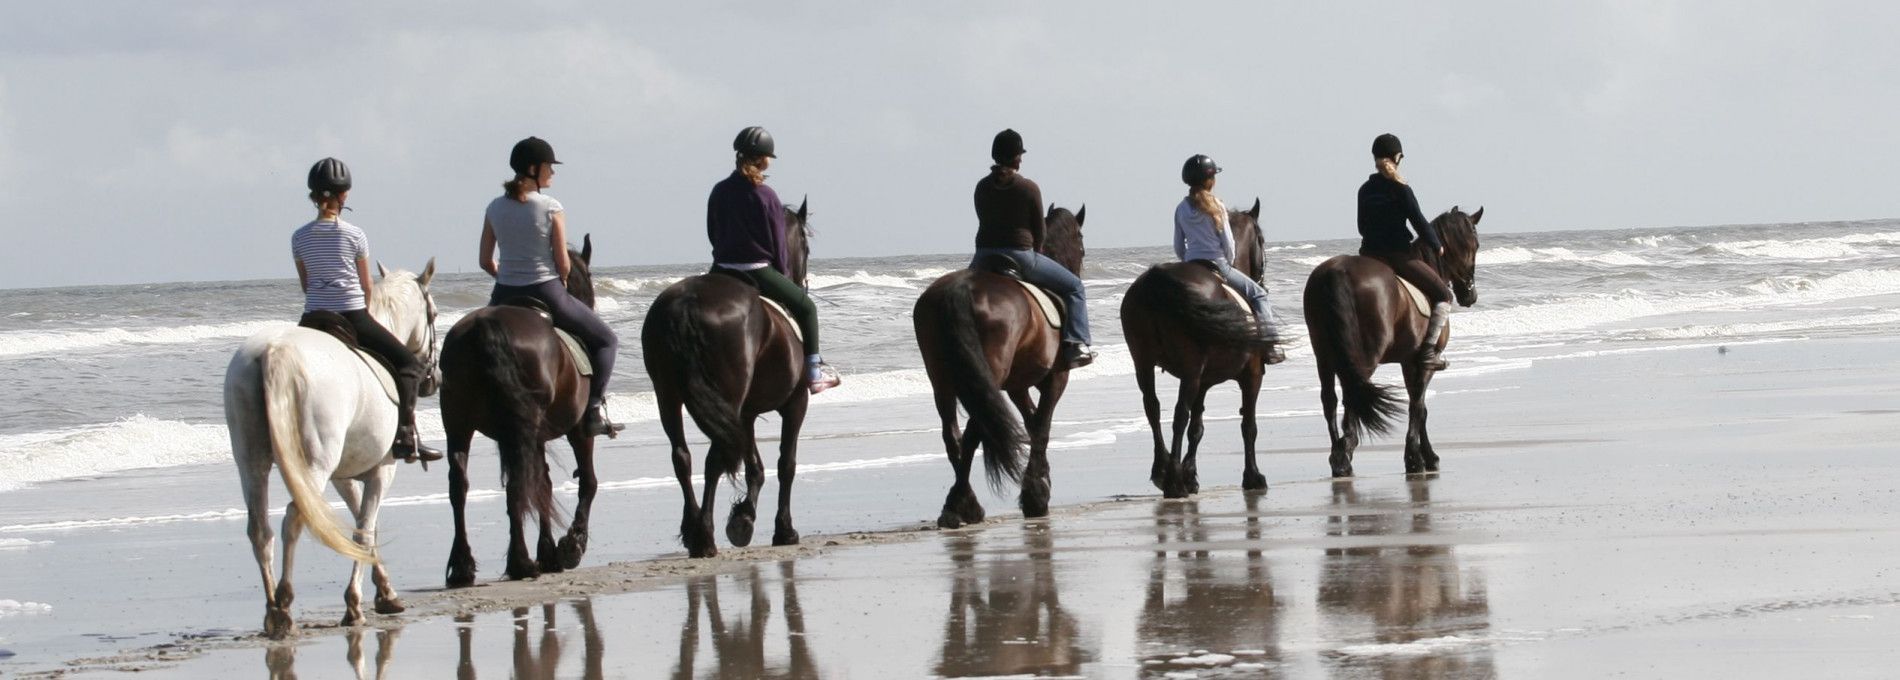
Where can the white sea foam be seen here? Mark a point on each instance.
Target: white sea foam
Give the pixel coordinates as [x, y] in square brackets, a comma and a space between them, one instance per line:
[10, 608]
[20, 543]
[1730, 330]
[22, 343]
[1427, 646]
[860, 277]
[1598, 309]
[634, 286]
[135, 442]
[1516, 255]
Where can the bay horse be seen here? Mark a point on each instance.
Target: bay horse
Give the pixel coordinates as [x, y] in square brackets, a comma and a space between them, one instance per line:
[1358, 317]
[712, 347]
[981, 338]
[507, 375]
[1177, 317]
[300, 399]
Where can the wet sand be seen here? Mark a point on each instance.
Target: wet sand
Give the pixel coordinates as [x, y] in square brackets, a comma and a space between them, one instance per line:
[1663, 514]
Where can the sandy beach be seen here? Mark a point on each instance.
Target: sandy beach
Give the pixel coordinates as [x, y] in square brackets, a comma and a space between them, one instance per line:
[1689, 512]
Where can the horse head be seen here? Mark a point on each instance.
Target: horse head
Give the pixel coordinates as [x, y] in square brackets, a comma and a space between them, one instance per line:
[580, 276]
[1250, 247]
[798, 235]
[1062, 237]
[1459, 233]
[401, 302]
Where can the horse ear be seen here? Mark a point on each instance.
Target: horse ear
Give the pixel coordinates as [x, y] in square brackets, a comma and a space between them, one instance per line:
[1254, 212]
[1081, 215]
[802, 202]
[428, 272]
[587, 248]
[381, 271]
[1454, 209]
[1477, 216]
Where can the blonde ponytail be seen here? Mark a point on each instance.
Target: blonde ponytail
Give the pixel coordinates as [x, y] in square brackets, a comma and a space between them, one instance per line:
[1208, 203]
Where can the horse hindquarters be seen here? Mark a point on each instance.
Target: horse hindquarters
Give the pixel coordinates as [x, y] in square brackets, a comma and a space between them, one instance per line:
[963, 358]
[1337, 331]
[684, 371]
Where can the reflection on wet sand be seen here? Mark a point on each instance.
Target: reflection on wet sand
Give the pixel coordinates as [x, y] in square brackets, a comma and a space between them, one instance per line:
[1411, 608]
[280, 660]
[532, 661]
[1006, 617]
[739, 647]
[1201, 601]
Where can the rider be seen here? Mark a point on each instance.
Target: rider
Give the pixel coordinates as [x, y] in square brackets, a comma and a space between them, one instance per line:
[746, 223]
[1009, 222]
[333, 269]
[1386, 203]
[530, 231]
[1201, 233]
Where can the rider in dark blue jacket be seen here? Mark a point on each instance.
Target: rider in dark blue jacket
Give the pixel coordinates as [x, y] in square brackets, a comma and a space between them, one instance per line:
[1386, 204]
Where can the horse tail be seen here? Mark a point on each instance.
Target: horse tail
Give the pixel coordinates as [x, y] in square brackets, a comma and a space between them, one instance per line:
[1369, 405]
[690, 344]
[1002, 436]
[291, 441]
[515, 419]
[1208, 321]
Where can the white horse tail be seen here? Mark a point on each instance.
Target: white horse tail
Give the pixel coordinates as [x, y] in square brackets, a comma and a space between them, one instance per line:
[284, 409]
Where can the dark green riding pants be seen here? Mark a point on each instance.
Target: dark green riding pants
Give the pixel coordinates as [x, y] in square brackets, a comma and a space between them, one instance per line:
[774, 285]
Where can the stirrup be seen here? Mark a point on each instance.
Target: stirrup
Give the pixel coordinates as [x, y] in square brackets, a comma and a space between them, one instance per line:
[595, 423]
[413, 449]
[1074, 355]
[1430, 359]
[824, 377]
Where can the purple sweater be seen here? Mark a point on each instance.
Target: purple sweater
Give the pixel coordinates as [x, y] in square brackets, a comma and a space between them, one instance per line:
[746, 223]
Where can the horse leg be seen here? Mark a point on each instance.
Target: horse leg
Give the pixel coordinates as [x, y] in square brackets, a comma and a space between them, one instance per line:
[793, 415]
[670, 420]
[574, 544]
[520, 566]
[371, 507]
[1427, 455]
[1173, 485]
[1151, 405]
[1415, 421]
[739, 520]
[1250, 477]
[460, 572]
[704, 523]
[292, 530]
[960, 468]
[1190, 462]
[1034, 499]
[252, 473]
[353, 591]
[1341, 459]
[969, 509]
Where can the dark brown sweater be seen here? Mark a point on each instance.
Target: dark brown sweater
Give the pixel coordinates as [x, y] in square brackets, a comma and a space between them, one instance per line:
[1008, 211]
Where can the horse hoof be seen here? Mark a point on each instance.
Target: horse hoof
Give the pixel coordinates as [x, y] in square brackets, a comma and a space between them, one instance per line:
[278, 624]
[571, 550]
[785, 537]
[949, 520]
[1034, 508]
[522, 569]
[739, 531]
[459, 578]
[972, 512]
[1253, 481]
[702, 553]
[389, 606]
[1342, 473]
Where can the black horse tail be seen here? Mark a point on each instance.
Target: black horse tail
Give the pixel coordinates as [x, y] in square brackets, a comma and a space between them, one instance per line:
[991, 414]
[1210, 322]
[515, 418]
[1369, 405]
[717, 417]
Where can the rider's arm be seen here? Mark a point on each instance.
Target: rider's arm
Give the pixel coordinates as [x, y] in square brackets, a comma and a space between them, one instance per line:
[1424, 228]
[773, 219]
[303, 276]
[557, 239]
[1037, 220]
[362, 274]
[487, 255]
[1180, 236]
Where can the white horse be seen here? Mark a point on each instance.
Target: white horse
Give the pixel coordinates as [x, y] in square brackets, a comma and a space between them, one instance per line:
[297, 397]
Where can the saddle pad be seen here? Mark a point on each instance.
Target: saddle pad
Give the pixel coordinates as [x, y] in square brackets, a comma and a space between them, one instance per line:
[382, 374]
[1050, 312]
[1420, 303]
[575, 351]
[780, 310]
[1234, 294]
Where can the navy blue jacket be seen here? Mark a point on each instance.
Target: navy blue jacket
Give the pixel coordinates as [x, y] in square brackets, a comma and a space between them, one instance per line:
[746, 223]
[1385, 206]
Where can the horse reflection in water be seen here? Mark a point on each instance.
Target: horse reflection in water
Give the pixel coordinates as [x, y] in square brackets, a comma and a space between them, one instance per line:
[280, 661]
[1005, 616]
[1198, 600]
[739, 645]
[1403, 593]
[540, 661]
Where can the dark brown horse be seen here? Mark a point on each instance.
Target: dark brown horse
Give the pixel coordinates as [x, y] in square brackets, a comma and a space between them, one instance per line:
[982, 337]
[1357, 317]
[506, 375]
[1177, 317]
[712, 347]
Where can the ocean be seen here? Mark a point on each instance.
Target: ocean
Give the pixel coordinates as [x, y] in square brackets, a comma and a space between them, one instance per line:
[112, 439]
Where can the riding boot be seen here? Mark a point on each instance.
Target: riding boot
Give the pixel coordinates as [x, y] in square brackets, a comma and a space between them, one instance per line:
[1434, 331]
[1270, 351]
[1074, 355]
[595, 423]
[408, 444]
[819, 375]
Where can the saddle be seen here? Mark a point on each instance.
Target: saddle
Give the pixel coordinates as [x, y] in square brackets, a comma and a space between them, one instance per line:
[1052, 310]
[1420, 303]
[575, 350]
[1232, 292]
[338, 327]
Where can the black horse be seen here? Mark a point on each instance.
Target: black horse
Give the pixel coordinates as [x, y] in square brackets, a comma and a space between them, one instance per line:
[981, 337]
[506, 374]
[1358, 316]
[712, 347]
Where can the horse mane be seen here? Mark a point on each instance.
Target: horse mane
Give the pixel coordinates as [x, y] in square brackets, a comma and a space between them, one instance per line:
[1062, 237]
[380, 299]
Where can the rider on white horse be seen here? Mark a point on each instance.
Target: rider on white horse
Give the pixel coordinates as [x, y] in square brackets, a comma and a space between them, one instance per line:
[333, 268]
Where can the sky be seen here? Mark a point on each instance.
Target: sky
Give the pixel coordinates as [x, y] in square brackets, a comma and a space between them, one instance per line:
[166, 141]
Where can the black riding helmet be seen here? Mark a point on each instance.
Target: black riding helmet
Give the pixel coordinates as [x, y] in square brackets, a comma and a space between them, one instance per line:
[1197, 169]
[329, 177]
[530, 153]
[755, 141]
[1387, 146]
[1007, 146]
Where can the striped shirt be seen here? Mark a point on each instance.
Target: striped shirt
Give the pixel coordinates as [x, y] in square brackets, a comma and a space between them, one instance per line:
[329, 250]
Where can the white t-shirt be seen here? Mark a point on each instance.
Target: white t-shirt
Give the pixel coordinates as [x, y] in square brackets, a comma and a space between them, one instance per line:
[524, 254]
[329, 250]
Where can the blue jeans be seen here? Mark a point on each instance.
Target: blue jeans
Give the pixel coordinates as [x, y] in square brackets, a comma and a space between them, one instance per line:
[578, 320]
[1256, 296]
[1042, 271]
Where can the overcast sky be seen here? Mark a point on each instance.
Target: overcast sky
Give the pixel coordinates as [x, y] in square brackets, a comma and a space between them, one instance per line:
[159, 141]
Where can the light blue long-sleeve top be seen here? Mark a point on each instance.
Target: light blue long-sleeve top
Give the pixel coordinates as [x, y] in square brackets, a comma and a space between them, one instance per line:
[1197, 237]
